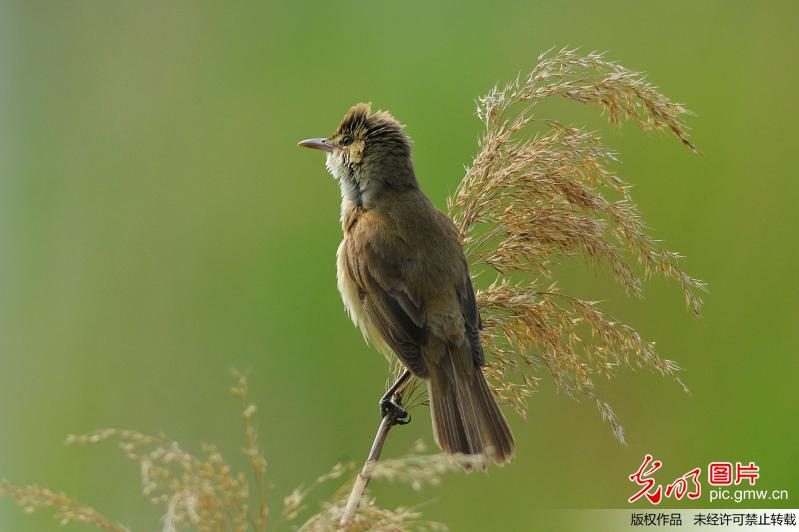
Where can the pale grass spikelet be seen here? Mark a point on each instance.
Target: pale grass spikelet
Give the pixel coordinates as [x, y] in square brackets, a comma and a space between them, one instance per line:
[65, 509]
[369, 517]
[293, 504]
[197, 490]
[202, 492]
[253, 450]
[418, 468]
[525, 202]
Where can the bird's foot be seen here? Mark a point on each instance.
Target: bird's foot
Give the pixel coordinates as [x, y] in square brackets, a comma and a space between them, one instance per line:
[399, 415]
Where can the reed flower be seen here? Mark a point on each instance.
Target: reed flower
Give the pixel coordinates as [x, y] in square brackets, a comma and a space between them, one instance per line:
[201, 491]
[529, 199]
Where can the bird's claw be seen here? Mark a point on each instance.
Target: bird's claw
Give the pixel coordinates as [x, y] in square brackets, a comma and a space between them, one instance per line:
[399, 415]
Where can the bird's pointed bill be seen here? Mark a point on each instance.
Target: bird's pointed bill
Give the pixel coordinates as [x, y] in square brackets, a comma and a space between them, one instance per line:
[316, 144]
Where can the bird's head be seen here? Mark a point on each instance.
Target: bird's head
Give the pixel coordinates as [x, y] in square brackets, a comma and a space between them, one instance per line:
[367, 153]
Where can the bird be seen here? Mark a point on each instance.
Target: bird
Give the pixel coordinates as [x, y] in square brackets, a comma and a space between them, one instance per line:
[405, 283]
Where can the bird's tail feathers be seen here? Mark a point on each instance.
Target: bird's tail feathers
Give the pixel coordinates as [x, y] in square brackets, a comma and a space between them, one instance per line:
[467, 421]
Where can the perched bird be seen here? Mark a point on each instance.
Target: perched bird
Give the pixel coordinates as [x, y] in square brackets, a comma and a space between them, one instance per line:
[405, 282]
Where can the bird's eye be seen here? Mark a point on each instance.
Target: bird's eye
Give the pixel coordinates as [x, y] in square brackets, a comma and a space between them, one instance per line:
[346, 140]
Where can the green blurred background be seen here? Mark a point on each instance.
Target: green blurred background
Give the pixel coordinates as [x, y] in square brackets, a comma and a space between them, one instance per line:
[158, 226]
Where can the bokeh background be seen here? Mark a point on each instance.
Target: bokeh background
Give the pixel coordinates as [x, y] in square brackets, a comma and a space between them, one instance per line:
[158, 226]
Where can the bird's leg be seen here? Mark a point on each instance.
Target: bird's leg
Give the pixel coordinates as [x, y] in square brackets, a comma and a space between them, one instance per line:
[388, 406]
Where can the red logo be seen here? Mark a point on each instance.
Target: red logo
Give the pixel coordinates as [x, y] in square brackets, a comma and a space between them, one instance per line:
[647, 483]
[721, 473]
[750, 472]
[688, 485]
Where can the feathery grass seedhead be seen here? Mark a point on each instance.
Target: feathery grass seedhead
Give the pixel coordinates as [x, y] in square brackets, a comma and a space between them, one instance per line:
[524, 202]
[65, 509]
[370, 517]
[414, 468]
[202, 491]
[418, 468]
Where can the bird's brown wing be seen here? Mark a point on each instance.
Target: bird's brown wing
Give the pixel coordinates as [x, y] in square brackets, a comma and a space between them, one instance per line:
[471, 317]
[463, 288]
[393, 310]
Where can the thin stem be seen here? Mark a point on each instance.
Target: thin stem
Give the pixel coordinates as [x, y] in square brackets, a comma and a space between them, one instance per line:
[394, 393]
[362, 480]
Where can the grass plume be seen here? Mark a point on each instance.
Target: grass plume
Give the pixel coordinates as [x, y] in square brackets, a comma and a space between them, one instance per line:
[527, 201]
[201, 491]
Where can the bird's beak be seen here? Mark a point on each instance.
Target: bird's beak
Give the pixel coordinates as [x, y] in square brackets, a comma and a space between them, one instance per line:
[316, 144]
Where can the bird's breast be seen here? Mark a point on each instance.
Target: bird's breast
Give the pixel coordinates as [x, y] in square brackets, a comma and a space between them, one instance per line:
[351, 296]
[347, 287]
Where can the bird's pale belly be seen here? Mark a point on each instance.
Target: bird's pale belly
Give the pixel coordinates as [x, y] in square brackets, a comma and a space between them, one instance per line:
[352, 302]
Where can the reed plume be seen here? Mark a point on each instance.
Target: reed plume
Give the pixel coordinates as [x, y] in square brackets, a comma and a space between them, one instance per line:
[529, 199]
[202, 491]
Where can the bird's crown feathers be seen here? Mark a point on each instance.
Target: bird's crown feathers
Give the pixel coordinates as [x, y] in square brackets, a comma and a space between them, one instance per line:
[360, 122]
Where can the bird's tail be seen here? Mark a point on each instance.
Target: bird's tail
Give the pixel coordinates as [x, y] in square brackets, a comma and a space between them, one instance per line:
[466, 418]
